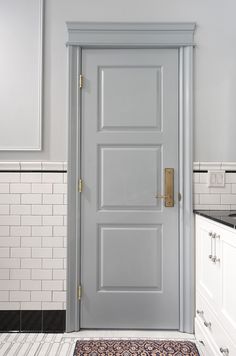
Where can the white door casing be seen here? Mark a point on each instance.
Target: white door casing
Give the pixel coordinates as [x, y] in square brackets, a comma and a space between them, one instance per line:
[180, 37]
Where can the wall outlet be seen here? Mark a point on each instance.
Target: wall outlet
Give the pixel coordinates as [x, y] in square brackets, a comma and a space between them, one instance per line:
[216, 179]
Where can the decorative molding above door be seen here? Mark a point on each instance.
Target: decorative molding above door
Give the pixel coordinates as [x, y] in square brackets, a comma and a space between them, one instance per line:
[133, 35]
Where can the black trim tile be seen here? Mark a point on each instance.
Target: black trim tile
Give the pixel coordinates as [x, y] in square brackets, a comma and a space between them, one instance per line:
[54, 320]
[31, 320]
[9, 320]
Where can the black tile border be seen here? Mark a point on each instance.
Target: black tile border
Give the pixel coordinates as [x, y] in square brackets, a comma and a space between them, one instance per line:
[49, 321]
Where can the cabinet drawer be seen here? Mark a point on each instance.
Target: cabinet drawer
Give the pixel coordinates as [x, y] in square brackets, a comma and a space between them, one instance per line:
[213, 327]
[206, 346]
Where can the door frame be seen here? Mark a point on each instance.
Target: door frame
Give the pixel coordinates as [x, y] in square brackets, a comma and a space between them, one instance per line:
[100, 35]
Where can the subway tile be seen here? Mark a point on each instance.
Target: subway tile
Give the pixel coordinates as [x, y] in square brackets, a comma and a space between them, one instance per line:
[9, 198]
[53, 166]
[4, 296]
[20, 209]
[203, 178]
[59, 231]
[60, 188]
[233, 188]
[59, 209]
[48, 241]
[20, 188]
[9, 306]
[41, 274]
[36, 308]
[196, 177]
[230, 178]
[31, 241]
[59, 274]
[41, 230]
[31, 285]
[31, 198]
[9, 177]
[31, 177]
[65, 242]
[9, 220]
[9, 166]
[43, 252]
[52, 285]
[51, 306]
[65, 220]
[209, 199]
[5, 209]
[59, 296]
[9, 263]
[52, 177]
[31, 263]
[31, 220]
[53, 263]
[19, 296]
[65, 177]
[20, 274]
[59, 252]
[221, 190]
[10, 285]
[4, 188]
[199, 188]
[9, 319]
[212, 207]
[228, 199]
[54, 320]
[31, 166]
[20, 231]
[42, 188]
[52, 198]
[9, 241]
[52, 220]
[65, 166]
[4, 252]
[20, 252]
[196, 199]
[41, 296]
[42, 209]
[4, 273]
[4, 231]
[65, 199]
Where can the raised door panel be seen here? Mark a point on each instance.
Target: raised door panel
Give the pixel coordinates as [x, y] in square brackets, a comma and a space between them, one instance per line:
[140, 110]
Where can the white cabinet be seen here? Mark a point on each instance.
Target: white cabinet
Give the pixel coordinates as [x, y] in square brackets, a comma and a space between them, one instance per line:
[215, 322]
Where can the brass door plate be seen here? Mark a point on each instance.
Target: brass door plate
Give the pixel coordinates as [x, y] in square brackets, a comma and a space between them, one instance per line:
[169, 187]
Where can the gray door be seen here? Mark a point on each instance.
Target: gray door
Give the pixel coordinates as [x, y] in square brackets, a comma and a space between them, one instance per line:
[129, 259]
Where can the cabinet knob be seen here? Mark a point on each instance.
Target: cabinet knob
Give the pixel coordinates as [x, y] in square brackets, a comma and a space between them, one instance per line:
[207, 324]
[224, 351]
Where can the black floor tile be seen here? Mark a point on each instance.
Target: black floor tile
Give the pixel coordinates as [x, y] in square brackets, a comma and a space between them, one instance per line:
[31, 320]
[9, 320]
[54, 320]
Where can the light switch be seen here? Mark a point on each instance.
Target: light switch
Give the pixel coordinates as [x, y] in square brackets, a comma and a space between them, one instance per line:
[216, 179]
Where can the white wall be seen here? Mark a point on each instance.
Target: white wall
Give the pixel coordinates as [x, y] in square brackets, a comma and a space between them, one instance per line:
[215, 68]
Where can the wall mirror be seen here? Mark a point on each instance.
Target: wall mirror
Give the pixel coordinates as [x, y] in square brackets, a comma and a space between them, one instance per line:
[21, 41]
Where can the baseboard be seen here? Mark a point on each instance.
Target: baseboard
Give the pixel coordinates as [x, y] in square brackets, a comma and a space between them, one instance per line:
[50, 321]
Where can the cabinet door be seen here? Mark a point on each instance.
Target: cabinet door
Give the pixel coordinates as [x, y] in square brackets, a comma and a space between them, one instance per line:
[208, 272]
[228, 281]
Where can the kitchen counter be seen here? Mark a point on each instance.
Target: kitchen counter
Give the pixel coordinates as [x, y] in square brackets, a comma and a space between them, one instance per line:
[226, 217]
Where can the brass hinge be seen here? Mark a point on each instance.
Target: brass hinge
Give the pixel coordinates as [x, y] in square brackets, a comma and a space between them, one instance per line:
[81, 81]
[79, 292]
[80, 185]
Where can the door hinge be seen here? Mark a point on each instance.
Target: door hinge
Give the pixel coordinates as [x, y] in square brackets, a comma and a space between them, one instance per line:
[79, 292]
[179, 196]
[80, 185]
[81, 81]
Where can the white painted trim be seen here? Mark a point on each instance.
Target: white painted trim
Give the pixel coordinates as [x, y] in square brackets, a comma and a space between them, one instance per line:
[33, 166]
[40, 85]
[125, 35]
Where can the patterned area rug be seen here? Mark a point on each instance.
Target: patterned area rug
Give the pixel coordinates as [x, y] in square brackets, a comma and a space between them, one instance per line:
[135, 348]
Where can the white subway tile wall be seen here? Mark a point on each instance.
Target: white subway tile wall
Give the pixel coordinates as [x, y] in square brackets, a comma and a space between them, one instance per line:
[33, 240]
[33, 235]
